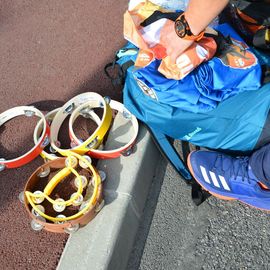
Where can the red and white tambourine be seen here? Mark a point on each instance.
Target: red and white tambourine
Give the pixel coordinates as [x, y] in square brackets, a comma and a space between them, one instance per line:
[94, 101]
[107, 154]
[39, 144]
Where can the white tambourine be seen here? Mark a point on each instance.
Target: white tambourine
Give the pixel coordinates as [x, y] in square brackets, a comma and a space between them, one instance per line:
[49, 117]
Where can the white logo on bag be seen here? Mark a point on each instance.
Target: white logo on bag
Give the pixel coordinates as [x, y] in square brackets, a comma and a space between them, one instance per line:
[184, 65]
[144, 56]
[146, 90]
[191, 134]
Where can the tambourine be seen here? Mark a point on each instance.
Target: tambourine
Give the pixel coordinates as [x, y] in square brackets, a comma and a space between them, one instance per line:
[106, 154]
[38, 131]
[42, 142]
[49, 118]
[83, 204]
[95, 101]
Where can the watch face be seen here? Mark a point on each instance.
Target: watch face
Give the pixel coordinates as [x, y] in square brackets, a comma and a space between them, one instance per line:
[180, 29]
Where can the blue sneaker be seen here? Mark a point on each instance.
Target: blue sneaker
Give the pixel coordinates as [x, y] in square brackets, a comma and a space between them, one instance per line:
[228, 178]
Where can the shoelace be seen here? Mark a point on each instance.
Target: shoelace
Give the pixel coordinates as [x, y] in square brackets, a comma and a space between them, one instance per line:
[238, 167]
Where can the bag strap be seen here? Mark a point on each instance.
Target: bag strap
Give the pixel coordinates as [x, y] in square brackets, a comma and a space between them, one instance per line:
[118, 69]
[260, 39]
[266, 74]
[118, 79]
[198, 195]
[167, 149]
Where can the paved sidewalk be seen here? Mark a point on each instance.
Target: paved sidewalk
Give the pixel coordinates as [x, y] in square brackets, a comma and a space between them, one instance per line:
[215, 235]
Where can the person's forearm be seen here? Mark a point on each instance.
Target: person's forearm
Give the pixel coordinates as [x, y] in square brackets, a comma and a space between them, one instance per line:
[200, 13]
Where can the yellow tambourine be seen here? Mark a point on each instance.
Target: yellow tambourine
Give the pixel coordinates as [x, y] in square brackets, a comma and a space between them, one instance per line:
[126, 148]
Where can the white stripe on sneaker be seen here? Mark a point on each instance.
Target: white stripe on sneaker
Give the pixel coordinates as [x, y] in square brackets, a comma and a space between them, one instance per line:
[204, 173]
[214, 179]
[224, 183]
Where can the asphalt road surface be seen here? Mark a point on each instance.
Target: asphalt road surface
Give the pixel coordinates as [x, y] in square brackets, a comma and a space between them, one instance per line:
[177, 235]
[50, 51]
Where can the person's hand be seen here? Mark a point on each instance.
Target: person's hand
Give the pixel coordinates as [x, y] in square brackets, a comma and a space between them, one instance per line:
[174, 44]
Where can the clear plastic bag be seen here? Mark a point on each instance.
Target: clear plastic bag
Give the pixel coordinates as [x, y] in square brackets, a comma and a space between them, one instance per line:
[172, 4]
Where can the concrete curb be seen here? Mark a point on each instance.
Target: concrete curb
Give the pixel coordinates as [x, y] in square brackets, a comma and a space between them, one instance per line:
[107, 241]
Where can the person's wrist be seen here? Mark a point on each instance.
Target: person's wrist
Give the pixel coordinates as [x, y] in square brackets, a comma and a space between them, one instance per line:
[192, 24]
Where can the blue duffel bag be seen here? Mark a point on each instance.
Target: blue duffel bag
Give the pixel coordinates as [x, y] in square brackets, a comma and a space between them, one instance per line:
[238, 124]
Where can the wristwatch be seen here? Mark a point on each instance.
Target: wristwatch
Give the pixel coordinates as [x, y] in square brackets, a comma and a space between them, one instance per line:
[182, 29]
